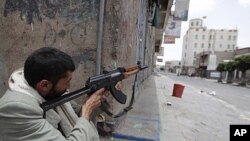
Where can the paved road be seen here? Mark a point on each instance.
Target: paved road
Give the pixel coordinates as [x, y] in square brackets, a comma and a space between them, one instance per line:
[202, 116]
[234, 95]
[197, 116]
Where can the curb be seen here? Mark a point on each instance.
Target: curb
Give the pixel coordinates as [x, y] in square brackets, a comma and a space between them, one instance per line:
[131, 133]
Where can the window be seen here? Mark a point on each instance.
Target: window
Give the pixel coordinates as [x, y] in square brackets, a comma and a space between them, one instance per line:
[234, 37]
[228, 46]
[195, 45]
[196, 36]
[233, 46]
[220, 45]
[197, 23]
[195, 53]
[192, 24]
[210, 37]
[229, 37]
[197, 29]
[221, 37]
[203, 37]
[159, 60]
[209, 45]
[202, 45]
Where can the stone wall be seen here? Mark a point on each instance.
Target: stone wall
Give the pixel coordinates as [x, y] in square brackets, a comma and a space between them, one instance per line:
[72, 26]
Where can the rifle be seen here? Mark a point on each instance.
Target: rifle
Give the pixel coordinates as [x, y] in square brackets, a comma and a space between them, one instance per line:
[107, 80]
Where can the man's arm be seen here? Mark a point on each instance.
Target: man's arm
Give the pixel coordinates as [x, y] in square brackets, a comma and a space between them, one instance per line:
[21, 121]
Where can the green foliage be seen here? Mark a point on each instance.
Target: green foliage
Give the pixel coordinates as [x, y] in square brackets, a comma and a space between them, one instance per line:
[243, 63]
[221, 67]
[230, 66]
[162, 68]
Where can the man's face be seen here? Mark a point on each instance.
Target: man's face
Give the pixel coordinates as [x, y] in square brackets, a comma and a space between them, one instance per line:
[61, 87]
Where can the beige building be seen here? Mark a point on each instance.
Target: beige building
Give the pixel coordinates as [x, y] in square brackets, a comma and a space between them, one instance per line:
[200, 39]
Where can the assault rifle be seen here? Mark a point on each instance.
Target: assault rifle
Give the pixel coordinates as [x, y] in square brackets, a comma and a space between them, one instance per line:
[107, 80]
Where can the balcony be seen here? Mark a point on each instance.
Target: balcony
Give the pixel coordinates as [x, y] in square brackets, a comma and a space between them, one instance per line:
[163, 11]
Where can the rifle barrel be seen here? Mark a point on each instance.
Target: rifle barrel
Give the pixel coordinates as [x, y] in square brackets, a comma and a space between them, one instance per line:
[143, 67]
[64, 98]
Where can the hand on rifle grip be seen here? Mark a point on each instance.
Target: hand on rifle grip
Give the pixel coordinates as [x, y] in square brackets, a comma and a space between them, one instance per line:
[118, 85]
[92, 102]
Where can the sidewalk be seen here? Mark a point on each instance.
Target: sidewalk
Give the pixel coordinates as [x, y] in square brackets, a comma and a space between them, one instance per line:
[149, 121]
[158, 116]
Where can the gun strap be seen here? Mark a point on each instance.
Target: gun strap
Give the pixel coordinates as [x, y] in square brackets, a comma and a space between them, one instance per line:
[105, 106]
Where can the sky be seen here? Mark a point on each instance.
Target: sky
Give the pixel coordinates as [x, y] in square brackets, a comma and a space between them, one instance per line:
[220, 14]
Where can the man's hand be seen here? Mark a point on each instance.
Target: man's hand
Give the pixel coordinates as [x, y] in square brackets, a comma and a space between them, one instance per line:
[118, 86]
[92, 102]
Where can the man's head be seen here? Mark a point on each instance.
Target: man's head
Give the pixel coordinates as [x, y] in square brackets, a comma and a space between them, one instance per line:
[49, 71]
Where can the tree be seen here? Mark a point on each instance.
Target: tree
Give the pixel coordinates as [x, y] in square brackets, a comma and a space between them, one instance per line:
[243, 64]
[230, 67]
[220, 68]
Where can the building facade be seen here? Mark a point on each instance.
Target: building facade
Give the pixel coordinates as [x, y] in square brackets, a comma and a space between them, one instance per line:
[160, 60]
[199, 39]
[173, 66]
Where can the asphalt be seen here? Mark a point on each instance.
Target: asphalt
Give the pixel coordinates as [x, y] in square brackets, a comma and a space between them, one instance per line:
[159, 116]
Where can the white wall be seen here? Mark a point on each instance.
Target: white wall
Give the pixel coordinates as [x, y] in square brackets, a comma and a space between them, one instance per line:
[198, 39]
[160, 61]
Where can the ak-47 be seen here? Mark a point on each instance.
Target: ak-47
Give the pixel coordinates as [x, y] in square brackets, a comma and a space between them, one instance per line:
[107, 80]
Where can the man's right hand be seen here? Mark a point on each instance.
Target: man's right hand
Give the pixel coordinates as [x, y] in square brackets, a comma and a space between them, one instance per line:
[92, 102]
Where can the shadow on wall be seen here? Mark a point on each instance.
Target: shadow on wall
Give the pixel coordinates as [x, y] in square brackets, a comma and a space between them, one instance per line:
[3, 77]
[36, 8]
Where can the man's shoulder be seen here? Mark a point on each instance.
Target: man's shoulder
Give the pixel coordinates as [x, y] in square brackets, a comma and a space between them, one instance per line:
[17, 97]
[18, 101]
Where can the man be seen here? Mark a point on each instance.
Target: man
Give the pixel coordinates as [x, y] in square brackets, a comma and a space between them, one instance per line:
[46, 75]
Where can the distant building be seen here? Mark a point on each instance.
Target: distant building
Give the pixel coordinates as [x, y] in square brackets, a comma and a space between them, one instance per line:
[200, 39]
[173, 66]
[206, 63]
[242, 51]
[160, 59]
[168, 66]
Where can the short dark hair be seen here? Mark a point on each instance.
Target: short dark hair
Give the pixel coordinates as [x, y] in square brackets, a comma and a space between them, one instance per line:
[47, 63]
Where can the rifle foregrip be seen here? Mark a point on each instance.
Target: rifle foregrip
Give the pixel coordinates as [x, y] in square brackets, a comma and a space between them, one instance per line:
[118, 95]
[131, 68]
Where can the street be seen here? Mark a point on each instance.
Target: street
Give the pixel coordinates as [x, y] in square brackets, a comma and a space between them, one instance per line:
[205, 111]
[233, 95]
